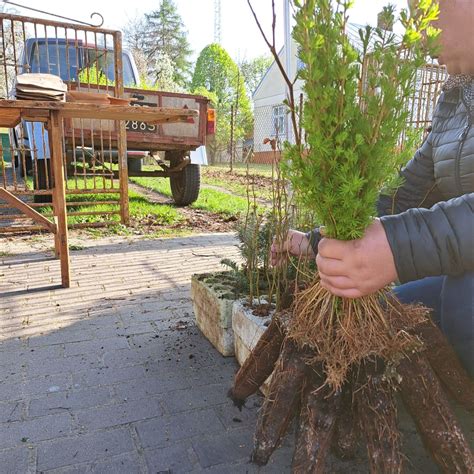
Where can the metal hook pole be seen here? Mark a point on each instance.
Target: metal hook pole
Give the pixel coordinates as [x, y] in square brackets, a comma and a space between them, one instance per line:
[60, 16]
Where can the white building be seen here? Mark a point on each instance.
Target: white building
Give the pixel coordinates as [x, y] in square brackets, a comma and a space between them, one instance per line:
[269, 110]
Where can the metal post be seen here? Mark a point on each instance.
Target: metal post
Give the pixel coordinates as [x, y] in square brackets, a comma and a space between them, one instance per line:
[121, 133]
[288, 59]
[232, 122]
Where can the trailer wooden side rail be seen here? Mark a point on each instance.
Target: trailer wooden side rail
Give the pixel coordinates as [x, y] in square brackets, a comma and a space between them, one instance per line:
[52, 114]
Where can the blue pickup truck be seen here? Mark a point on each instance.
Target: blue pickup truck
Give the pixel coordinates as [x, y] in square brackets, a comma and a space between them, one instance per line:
[183, 144]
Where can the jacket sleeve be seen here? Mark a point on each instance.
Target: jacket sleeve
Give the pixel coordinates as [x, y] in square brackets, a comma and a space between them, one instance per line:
[314, 236]
[431, 242]
[418, 188]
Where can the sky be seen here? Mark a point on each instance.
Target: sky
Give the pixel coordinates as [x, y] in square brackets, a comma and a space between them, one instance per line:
[240, 35]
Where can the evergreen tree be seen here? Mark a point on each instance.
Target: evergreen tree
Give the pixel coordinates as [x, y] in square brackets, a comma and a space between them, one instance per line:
[165, 35]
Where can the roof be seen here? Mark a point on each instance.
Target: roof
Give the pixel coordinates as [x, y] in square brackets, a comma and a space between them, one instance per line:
[267, 72]
[353, 33]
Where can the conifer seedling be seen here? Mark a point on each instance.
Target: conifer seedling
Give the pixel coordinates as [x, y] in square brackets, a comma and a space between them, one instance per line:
[354, 113]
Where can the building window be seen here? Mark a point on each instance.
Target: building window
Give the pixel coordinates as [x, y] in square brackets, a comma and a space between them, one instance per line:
[279, 121]
[299, 62]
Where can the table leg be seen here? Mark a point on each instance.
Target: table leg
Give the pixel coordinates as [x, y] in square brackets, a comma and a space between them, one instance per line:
[59, 196]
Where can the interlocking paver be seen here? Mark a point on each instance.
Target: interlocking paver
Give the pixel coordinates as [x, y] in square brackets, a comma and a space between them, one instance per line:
[199, 397]
[97, 345]
[83, 448]
[161, 431]
[172, 459]
[119, 413]
[69, 400]
[127, 463]
[106, 376]
[34, 430]
[228, 447]
[59, 365]
[101, 378]
[11, 411]
[14, 460]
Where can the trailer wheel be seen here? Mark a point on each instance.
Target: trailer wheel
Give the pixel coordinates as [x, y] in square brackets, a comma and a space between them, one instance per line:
[134, 165]
[45, 181]
[186, 184]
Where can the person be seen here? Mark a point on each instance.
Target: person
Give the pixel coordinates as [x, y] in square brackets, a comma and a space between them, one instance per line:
[427, 244]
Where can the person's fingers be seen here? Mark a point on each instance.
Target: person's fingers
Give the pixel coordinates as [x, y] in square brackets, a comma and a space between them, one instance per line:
[350, 293]
[331, 266]
[279, 247]
[277, 258]
[339, 282]
[332, 248]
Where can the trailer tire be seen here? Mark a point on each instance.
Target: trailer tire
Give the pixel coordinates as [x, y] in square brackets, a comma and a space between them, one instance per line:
[45, 181]
[186, 184]
[134, 165]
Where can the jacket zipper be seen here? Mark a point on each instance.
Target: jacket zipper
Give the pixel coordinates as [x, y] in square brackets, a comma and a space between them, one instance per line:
[457, 164]
[462, 138]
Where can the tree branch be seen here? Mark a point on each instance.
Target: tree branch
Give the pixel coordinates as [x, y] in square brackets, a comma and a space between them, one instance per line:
[288, 81]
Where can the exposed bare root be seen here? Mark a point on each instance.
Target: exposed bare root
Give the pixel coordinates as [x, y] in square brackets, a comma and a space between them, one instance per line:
[281, 404]
[334, 416]
[343, 332]
[424, 398]
[377, 414]
[316, 426]
[344, 443]
[445, 363]
[259, 365]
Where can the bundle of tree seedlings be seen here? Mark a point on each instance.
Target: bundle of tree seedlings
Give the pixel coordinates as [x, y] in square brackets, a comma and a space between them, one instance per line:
[338, 362]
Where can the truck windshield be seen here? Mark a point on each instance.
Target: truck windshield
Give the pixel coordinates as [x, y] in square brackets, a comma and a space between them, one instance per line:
[103, 61]
[67, 61]
[55, 58]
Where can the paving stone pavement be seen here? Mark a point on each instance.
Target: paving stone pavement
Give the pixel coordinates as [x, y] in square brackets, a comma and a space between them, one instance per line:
[112, 375]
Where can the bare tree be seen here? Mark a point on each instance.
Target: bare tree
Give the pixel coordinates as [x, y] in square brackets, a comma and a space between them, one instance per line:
[12, 38]
[134, 39]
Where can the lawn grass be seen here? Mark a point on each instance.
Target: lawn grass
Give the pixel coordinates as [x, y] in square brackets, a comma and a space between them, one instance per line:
[142, 211]
[241, 168]
[235, 187]
[209, 200]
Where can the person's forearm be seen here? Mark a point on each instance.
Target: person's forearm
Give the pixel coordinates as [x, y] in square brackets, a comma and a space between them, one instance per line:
[436, 241]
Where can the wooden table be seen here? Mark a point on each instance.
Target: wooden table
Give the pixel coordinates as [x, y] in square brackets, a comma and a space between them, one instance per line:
[12, 112]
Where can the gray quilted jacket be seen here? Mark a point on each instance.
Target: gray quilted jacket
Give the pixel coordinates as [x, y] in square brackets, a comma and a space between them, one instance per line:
[429, 221]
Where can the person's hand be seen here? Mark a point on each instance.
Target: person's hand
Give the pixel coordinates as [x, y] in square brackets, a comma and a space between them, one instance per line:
[296, 244]
[356, 268]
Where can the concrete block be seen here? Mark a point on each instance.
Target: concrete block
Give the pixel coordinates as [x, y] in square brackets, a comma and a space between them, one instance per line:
[248, 329]
[213, 299]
